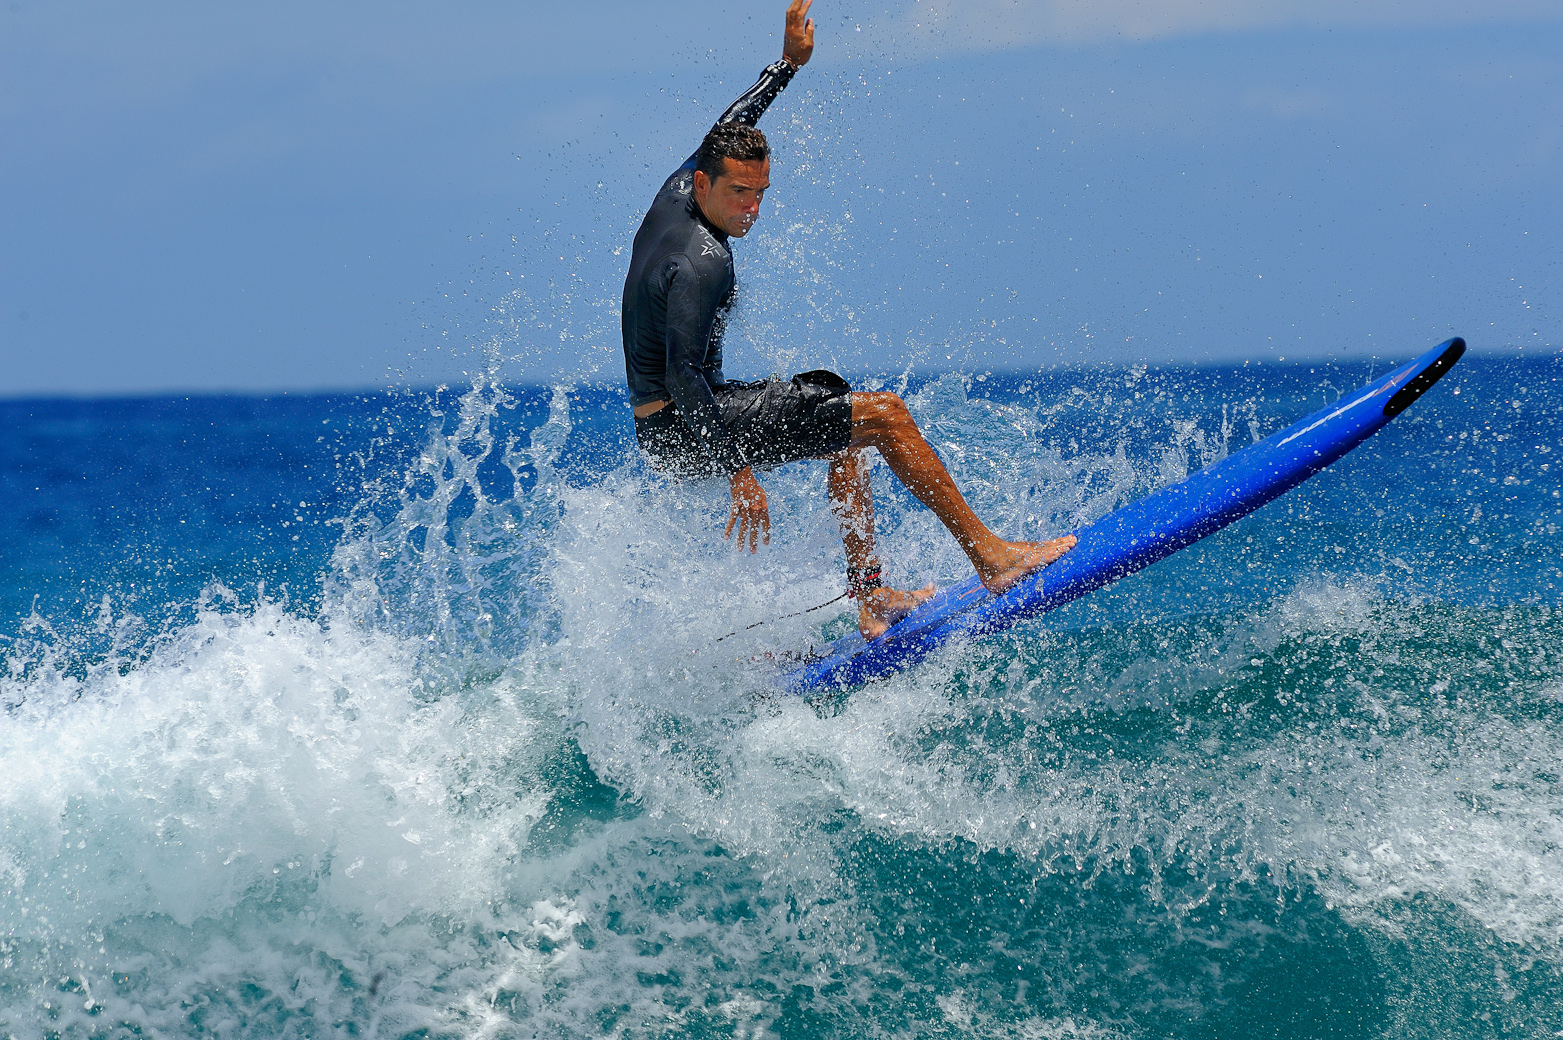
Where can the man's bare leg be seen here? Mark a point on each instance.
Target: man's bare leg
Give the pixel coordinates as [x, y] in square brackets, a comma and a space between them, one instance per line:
[880, 420]
[852, 501]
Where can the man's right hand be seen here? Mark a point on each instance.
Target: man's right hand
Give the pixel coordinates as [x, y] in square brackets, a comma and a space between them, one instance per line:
[798, 38]
[750, 513]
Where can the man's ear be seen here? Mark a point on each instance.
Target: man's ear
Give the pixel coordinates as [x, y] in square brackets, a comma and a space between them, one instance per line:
[702, 182]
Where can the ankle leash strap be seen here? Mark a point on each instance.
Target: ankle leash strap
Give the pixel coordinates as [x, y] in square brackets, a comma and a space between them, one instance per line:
[862, 580]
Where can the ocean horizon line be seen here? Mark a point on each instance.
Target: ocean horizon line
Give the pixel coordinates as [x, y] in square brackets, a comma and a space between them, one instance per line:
[917, 373]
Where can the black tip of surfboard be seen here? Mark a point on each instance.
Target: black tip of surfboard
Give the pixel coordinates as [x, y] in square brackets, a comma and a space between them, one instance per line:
[1425, 378]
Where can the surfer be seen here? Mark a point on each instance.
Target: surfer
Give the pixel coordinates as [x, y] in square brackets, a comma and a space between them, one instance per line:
[693, 422]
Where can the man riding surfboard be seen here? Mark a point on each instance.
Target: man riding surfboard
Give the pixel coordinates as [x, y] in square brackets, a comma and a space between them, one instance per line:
[691, 421]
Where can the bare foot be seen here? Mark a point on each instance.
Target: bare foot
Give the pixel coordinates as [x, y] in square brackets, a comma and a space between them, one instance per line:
[883, 607]
[1015, 560]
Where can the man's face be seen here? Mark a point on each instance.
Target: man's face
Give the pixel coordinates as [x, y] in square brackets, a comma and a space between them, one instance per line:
[732, 201]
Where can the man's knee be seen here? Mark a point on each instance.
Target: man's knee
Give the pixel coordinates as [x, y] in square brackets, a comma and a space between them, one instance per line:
[880, 411]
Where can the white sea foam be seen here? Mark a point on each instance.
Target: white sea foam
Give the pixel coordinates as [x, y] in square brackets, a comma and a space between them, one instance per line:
[253, 749]
[260, 764]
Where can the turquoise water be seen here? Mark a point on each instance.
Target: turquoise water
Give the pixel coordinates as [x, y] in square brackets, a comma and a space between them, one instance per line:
[403, 716]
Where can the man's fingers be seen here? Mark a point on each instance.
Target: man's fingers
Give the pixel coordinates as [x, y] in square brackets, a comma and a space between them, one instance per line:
[753, 522]
[798, 34]
[798, 21]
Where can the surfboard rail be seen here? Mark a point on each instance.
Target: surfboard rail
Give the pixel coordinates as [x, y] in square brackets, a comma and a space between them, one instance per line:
[1137, 535]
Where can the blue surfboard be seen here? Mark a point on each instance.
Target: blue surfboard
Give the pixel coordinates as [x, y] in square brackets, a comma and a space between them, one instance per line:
[1137, 535]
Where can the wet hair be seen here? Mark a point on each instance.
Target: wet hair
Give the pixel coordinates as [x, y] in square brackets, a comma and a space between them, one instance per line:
[730, 141]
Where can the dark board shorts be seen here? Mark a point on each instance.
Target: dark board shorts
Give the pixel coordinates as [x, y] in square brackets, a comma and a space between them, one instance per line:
[809, 417]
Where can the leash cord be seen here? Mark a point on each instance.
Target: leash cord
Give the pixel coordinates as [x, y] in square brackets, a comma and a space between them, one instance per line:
[784, 617]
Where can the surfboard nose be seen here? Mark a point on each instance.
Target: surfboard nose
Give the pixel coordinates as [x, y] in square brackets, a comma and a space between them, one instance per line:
[1448, 353]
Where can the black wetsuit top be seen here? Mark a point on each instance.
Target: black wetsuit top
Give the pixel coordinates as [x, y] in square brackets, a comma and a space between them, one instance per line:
[678, 292]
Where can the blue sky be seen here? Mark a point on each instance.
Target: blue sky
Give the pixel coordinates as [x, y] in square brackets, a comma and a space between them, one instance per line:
[211, 196]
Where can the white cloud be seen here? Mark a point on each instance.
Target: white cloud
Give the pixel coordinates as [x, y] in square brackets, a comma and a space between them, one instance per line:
[996, 24]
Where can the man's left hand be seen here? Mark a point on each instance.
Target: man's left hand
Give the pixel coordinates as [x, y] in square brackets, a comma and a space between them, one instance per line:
[798, 38]
[751, 514]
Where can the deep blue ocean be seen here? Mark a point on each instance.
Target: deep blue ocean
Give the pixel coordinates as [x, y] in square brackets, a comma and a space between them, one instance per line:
[403, 716]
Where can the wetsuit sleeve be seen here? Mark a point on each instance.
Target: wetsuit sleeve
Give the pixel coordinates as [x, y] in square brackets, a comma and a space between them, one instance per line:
[692, 305]
[749, 107]
[752, 103]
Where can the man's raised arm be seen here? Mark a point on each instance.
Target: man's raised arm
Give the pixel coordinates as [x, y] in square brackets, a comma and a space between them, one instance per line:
[797, 48]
